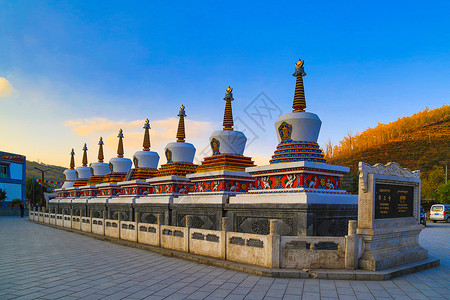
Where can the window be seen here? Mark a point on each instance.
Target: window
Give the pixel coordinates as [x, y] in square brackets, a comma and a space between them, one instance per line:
[3, 171]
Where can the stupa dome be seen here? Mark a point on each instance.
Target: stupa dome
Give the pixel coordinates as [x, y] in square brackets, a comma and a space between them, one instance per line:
[180, 151]
[100, 168]
[120, 164]
[304, 126]
[84, 172]
[228, 141]
[146, 158]
[70, 174]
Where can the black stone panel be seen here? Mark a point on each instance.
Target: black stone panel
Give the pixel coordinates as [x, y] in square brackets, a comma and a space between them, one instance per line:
[294, 219]
[148, 213]
[393, 201]
[202, 216]
[97, 209]
[77, 208]
[126, 212]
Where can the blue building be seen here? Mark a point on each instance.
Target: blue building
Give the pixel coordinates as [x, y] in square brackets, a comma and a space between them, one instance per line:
[12, 176]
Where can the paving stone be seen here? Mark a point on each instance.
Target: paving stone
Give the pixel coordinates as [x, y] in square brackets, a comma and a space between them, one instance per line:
[85, 268]
[254, 296]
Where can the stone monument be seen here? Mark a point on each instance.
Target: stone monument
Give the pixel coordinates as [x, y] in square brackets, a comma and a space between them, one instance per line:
[388, 216]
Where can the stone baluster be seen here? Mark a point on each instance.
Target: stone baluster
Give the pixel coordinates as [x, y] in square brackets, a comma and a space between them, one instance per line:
[158, 219]
[273, 227]
[136, 217]
[352, 224]
[224, 224]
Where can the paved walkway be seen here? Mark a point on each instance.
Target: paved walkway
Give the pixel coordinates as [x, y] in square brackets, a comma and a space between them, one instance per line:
[39, 262]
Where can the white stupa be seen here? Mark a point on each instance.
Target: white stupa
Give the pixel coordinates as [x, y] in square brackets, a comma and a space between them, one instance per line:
[146, 159]
[180, 151]
[70, 174]
[120, 164]
[100, 168]
[228, 141]
[298, 172]
[84, 172]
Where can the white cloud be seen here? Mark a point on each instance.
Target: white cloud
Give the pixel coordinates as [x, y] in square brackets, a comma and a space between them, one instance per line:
[161, 133]
[6, 88]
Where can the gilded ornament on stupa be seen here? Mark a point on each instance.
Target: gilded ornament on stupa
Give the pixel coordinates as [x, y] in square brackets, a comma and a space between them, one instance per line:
[72, 159]
[100, 150]
[181, 135]
[85, 161]
[299, 104]
[228, 115]
[120, 146]
[146, 143]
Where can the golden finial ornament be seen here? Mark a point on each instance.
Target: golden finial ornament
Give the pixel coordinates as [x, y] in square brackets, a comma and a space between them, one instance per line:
[72, 159]
[100, 150]
[300, 63]
[181, 134]
[85, 160]
[120, 146]
[228, 115]
[146, 143]
[299, 104]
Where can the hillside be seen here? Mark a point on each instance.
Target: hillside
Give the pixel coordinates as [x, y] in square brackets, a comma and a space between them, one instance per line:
[418, 142]
[54, 173]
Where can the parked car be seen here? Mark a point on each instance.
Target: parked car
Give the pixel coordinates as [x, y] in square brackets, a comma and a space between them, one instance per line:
[423, 217]
[440, 212]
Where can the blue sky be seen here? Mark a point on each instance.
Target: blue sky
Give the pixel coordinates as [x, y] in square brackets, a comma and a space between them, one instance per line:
[81, 70]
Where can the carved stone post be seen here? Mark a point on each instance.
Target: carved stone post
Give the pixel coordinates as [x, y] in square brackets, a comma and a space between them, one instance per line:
[274, 242]
[223, 238]
[351, 247]
[224, 224]
[158, 219]
[136, 217]
[188, 221]
[130, 213]
[352, 224]
[273, 227]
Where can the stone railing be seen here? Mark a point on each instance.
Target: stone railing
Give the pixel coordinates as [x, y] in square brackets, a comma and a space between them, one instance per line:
[207, 242]
[271, 251]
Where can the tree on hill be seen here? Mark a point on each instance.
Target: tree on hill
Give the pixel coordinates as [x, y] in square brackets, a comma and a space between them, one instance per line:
[418, 142]
[54, 173]
[443, 193]
[432, 182]
[385, 133]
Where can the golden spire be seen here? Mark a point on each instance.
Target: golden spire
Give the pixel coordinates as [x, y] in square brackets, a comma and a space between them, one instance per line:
[120, 146]
[146, 143]
[100, 150]
[299, 96]
[181, 135]
[228, 115]
[84, 162]
[72, 159]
